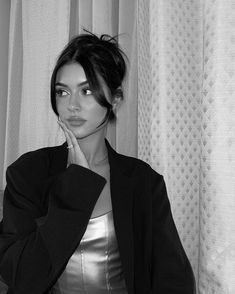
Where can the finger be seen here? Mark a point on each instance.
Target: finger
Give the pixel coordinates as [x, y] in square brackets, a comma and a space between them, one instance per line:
[75, 154]
[71, 151]
[73, 139]
[70, 133]
[77, 151]
[65, 130]
[72, 136]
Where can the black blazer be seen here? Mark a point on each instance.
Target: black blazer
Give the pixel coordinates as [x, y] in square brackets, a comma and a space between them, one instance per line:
[47, 207]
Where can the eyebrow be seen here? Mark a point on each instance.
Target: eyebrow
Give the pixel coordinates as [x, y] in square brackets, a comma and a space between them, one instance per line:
[64, 85]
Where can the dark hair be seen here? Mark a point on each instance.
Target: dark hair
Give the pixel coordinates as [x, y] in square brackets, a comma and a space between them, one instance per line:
[99, 56]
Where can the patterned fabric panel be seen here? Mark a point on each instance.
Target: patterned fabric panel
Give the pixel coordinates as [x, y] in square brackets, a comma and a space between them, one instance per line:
[170, 66]
[217, 201]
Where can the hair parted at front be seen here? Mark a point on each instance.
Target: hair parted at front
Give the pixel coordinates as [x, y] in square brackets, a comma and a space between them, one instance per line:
[99, 57]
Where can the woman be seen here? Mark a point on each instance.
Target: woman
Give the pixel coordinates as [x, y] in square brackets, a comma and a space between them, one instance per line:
[81, 218]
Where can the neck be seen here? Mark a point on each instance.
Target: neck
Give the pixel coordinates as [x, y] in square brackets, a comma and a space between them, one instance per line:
[94, 147]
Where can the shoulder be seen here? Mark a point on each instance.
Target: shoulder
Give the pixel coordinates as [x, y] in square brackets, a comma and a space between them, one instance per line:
[148, 182]
[31, 174]
[31, 156]
[39, 156]
[138, 166]
[36, 162]
[148, 185]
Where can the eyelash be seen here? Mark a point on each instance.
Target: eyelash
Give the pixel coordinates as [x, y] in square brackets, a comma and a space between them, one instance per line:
[60, 91]
[84, 91]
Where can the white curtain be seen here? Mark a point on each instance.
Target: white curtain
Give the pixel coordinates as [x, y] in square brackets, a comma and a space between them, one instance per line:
[38, 31]
[186, 125]
[4, 37]
[217, 189]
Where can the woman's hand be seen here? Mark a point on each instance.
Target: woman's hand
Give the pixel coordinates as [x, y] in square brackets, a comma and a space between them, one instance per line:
[75, 154]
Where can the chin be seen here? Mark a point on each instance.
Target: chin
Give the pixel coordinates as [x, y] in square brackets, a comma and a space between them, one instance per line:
[79, 134]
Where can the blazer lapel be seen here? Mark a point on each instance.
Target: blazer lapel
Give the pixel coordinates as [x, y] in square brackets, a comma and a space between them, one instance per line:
[122, 195]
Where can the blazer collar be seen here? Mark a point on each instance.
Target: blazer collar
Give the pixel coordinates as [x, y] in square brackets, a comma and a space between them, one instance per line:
[122, 199]
[58, 159]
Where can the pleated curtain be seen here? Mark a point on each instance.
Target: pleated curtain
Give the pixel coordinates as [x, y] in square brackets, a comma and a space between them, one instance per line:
[38, 31]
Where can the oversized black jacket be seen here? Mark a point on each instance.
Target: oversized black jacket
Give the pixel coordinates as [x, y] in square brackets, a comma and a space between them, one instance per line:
[47, 207]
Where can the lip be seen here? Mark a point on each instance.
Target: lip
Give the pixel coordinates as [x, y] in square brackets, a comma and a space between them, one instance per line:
[76, 121]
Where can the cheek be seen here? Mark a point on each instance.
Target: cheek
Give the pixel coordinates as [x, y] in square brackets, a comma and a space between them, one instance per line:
[93, 109]
[99, 112]
[61, 106]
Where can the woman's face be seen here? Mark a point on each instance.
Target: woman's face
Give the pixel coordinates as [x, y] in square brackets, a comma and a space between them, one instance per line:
[76, 105]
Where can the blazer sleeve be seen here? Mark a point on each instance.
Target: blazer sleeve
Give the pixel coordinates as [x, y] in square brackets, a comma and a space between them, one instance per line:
[31, 255]
[171, 272]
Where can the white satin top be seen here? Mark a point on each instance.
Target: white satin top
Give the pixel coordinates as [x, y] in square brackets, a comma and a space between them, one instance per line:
[95, 266]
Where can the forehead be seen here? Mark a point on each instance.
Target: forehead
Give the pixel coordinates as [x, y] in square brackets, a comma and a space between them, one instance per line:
[71, 73]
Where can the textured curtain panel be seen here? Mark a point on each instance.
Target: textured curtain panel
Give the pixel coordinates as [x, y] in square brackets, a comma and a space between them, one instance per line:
[217, 199]
[169, 85]
[186, 127]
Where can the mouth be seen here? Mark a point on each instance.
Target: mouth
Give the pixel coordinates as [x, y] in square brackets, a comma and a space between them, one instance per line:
[76, 121]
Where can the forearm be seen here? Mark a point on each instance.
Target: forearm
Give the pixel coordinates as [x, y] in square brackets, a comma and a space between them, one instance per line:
[31, 255]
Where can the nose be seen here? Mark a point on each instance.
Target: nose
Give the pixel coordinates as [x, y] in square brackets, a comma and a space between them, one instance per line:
[74, 103]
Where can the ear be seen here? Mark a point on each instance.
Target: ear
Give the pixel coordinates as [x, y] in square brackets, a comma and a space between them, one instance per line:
[118, 96]
[116, 102]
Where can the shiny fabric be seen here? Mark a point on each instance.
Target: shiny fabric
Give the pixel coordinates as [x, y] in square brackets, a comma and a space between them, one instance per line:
[95, 266]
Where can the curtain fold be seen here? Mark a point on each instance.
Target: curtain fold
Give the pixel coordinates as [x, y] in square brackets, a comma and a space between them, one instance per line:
[126, 137]
[4, 37]
[45, 32]
[217, 191]
[38, 32]
[15, 63]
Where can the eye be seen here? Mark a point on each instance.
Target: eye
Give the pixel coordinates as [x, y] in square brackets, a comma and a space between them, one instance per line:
[61, 93]
[86, 91]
